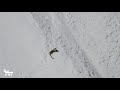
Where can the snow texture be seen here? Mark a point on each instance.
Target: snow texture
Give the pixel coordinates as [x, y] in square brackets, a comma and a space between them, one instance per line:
[88, 44]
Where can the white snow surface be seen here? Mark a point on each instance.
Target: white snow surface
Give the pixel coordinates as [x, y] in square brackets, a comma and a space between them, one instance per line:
[88, 44]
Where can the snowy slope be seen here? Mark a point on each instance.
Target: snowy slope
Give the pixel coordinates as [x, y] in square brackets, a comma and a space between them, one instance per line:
[88, 44]
[99, 37]
[24, 51]
[20, 46]
[65, 41]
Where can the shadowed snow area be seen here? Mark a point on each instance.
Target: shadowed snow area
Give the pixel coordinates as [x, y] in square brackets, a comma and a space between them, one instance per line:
[60, 44]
